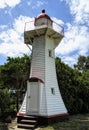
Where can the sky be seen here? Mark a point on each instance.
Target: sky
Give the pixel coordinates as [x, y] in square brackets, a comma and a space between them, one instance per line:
[73, 15]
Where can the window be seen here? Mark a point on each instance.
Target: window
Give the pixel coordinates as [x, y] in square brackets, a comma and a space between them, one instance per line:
[51, 53]
[53, 91]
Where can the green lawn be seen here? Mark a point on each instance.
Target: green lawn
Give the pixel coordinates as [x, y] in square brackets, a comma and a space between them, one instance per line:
[77, 122]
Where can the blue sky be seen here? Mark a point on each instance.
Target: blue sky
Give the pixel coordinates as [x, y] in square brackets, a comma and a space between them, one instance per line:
[73, 15]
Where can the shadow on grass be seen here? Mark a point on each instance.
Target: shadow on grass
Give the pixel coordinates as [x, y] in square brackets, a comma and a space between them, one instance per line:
[77, 122]
[3, 126]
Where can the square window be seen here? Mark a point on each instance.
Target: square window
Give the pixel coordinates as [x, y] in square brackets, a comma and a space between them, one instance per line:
[50, 53]
[53, 91]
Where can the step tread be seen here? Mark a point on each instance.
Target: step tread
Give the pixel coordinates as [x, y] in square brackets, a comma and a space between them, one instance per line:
[23, 110]
[33, 117]
[26, 125]
[24, 120]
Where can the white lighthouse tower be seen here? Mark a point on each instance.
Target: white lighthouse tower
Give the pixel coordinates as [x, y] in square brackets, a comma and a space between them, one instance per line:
[43, 98]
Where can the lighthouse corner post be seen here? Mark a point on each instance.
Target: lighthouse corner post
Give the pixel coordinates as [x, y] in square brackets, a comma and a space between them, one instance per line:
[43, 98]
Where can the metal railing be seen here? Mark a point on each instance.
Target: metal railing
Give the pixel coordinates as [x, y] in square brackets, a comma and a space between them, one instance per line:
[30, 26]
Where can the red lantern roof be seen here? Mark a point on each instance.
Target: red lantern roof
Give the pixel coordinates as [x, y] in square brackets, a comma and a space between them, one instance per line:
[42, 15]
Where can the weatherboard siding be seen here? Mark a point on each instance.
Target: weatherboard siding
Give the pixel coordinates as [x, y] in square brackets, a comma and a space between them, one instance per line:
[23, 106]
[43, 67]
[55, 104]
[38, 69]
[38, 58]
[43, 104]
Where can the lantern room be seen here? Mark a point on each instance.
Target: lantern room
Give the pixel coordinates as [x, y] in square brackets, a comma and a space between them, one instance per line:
[42, 25]
[43, 19]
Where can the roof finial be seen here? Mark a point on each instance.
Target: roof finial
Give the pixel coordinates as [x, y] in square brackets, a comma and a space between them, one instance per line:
[43, 11]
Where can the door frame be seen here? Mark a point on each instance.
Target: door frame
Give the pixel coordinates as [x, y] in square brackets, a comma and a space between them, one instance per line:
[33, 98]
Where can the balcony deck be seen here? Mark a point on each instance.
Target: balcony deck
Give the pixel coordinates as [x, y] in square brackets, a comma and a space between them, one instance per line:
[30, 26]
[30, 31]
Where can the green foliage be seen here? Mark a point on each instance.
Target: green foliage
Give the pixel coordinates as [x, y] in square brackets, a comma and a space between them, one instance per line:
[15, 72]
[5, 100]
[13, 76]
[73, 83]
[74, 86]
[82, 64]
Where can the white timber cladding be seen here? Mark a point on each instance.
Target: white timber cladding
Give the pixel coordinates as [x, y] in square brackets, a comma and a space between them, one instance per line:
[23, 106]
[47, 99]
[27, 97]
[55, 104]
[44, 21]
[38, 58]
[43, 104]
[43, 67]
[38, 70]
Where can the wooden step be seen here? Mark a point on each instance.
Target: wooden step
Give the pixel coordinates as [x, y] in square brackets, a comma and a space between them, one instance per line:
[29, 117]
[28, 121]
[26, 126]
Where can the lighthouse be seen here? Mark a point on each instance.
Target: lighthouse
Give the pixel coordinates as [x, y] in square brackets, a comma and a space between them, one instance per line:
[43, 98]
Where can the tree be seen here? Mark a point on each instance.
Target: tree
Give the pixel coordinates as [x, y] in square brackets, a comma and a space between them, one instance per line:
[14, 74]
[73, 83]
[74, 87]
[67, 84]
[82, 64]
[5, 100]
[83, 79]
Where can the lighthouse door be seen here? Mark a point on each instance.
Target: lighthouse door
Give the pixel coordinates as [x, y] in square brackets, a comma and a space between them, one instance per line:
[33, 98]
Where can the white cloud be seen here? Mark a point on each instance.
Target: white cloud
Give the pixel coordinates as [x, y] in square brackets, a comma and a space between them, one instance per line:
[12, 44]
[12, 41]
[70, 60]
[76, 38]
[80, 10]
[75, 43]
[19, 24]
[3, 27]
[10, 3]
[58, 21]
[39, 3]
[29, 3]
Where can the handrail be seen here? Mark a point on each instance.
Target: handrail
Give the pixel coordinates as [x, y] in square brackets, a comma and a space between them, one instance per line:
[30, 26]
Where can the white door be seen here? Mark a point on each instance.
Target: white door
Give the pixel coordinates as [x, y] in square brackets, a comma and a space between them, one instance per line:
[33, 98]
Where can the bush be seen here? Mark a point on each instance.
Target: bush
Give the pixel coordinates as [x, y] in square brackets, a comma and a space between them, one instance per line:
[4, 101]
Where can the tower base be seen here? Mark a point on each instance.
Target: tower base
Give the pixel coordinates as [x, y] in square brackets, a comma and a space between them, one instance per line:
[48, 120]
[43, 120]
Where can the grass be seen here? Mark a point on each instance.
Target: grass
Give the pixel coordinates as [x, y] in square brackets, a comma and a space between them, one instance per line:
[76, 122]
